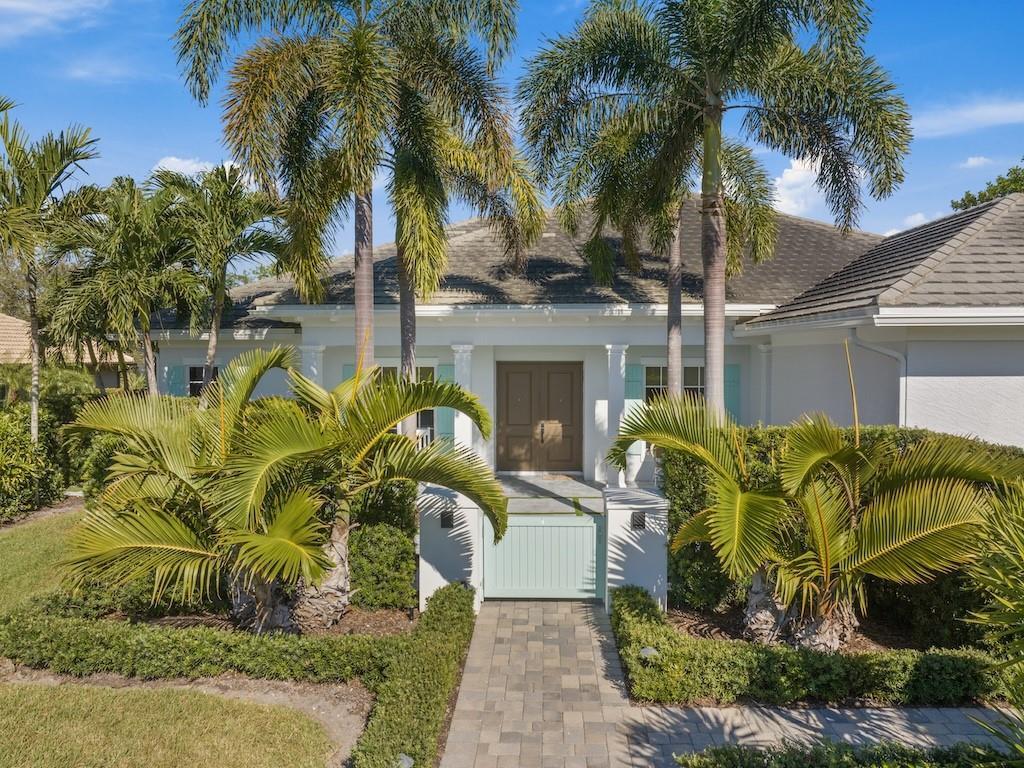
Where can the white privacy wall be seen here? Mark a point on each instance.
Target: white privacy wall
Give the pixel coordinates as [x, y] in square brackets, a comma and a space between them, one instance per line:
[967, 387]
[449, 555]
[637, 556]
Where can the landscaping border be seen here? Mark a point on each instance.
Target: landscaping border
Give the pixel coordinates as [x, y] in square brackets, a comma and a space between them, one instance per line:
[836, 755]
[687, 670]
[412, 675]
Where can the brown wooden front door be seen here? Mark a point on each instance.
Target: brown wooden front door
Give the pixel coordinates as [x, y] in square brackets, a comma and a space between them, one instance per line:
[540, 417]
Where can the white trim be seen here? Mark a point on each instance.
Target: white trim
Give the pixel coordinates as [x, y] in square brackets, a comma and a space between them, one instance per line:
[226, 334]
[946, 316]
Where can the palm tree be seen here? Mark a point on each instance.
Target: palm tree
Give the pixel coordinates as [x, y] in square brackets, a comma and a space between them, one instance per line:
[841, 512]
[795, 73]
[32, 179]
[223, 222]
[316, 104]
[135, 263]
[235, 490]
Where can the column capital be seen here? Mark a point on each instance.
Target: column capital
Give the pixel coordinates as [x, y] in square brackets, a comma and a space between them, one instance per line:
[312, 347]
[616, 348]
[765, 348]
[462, 349]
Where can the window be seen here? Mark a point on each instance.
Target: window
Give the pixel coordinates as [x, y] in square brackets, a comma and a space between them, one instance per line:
[195, 379]
[656, 381]
[424, 419]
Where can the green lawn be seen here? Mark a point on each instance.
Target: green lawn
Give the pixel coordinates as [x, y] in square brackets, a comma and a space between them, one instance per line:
[86, 727]
[29, 554]
[81, 727]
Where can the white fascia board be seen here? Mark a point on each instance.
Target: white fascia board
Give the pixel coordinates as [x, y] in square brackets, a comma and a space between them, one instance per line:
[848, 319]
[502, 313]
[228, 334]
[948, 316]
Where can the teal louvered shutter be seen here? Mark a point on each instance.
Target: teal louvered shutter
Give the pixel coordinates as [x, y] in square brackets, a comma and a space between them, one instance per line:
[348, 370]
[444, 418]
[634, 397]
[176, 378]
[732, 390]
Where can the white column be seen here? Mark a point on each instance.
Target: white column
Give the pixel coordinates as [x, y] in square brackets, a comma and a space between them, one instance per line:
[766, 382]
[464, 378]
[616, 401]
[313, 362]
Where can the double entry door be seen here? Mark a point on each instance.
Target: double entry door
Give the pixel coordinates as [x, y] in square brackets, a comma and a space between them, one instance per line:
[540, 417]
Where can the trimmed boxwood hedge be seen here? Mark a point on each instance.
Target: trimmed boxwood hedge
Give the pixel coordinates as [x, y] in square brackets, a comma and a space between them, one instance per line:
[689, 670]
[413, 675]
[833, 755]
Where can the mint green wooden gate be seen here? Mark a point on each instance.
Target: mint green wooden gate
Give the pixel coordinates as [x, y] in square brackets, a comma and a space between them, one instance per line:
[546, 556]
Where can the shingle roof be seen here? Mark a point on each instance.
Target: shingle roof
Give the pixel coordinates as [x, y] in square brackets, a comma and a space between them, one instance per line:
[14, 340]
[556, 272]
[971, 258]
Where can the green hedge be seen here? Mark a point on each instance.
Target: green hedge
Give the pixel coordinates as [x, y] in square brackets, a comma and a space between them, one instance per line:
[412, 701]
[833, 755]
[930, 614]
[690, 670]
[413, 675]
[383, 561]
[29, 477]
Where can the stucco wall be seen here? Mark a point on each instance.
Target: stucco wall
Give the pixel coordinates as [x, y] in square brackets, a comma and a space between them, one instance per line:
[970, 387]
[449, 555]
[637, 556]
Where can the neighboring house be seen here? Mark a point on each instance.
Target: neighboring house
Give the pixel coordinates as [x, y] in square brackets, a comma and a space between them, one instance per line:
[933, 317]
[15, 349]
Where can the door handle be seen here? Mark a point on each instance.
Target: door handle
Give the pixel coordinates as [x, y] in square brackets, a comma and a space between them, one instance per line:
[542, 433]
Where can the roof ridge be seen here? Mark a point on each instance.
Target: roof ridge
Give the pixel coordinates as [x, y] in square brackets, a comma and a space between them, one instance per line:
[891, 296]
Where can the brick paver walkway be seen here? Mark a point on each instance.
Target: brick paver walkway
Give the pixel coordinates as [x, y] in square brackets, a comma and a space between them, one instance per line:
[543, 687]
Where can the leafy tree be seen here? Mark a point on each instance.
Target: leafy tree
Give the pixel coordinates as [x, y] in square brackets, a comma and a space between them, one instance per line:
[33, 175]
[794, 72]
[1012, 181]
[223, 223]
[842, 512]
[318, 102]
[258, 492]
[134, 263]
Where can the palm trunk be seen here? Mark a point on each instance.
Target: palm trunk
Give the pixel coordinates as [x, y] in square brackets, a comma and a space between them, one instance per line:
[320, 607]
[827, 634]
[764, 619]
[33, 324]
[122, 370]
[675, 310]
[94, 365]
[218, 313]
[149, 358]
[713, 255]
[407, 331]
[364, 277]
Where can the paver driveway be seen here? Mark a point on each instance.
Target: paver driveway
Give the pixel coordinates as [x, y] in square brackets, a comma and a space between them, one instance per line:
[543, 687]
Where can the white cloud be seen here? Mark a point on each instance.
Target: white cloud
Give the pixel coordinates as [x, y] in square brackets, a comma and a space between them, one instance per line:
[102, 69]
[967, 118]
[21, 18]
[913, 220]
[186, 165]
[795, 192]
[976, 161]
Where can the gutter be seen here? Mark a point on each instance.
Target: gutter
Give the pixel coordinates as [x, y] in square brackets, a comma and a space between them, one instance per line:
[899, 357]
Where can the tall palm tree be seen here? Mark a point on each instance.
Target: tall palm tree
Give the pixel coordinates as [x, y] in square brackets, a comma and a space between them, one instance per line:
[238, 491]
[315, 104]
[841, 512]
[794, 73]
[33, 175]
[223, 222]
[135, 263]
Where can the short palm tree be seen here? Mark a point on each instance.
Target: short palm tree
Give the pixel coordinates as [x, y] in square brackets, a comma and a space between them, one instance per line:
[135, 262]
[224, 222]
[33, 175]
[841, 512]
[316, 104]
[794, 73]
[257, 493]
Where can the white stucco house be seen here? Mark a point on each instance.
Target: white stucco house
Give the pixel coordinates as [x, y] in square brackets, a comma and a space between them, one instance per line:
[934, 317]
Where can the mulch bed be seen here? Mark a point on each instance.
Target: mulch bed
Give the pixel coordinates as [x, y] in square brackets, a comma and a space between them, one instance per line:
[66, 505]
[873, 635]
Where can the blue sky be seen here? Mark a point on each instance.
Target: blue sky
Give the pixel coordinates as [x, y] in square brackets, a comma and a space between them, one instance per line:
[109, 64]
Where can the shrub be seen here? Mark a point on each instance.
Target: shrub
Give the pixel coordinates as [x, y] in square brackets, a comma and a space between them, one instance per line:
[390, 503]
[412, 701]
[689, 670]
[29, 478]
[834, 755]
[96, 461]
[383, 561]
[930, 613]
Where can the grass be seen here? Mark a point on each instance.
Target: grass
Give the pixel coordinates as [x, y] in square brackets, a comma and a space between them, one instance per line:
[29, 553]
[71, 726]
